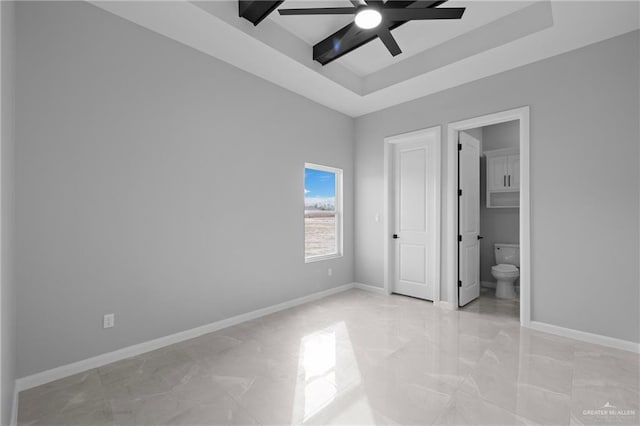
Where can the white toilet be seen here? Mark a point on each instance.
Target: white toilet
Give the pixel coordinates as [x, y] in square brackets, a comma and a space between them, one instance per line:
[507, 269]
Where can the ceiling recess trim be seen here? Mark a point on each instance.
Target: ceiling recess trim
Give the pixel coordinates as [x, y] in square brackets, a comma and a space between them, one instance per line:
[575, 25]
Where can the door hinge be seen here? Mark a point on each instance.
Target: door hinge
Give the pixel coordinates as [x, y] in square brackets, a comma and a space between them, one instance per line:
[459, 147]
[459, 283]
[459, 192]
[459, 237]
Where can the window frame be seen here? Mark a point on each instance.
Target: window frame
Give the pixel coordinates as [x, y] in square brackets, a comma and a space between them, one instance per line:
[338, 213]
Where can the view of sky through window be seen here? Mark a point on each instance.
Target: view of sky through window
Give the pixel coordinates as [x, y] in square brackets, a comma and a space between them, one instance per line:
[319, 189]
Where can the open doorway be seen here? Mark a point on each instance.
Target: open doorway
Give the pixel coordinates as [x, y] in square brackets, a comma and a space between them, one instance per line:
[489, 253]
[488, 194]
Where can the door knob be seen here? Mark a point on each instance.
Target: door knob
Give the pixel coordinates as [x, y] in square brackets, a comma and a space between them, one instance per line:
[395, 236]
[480, 237]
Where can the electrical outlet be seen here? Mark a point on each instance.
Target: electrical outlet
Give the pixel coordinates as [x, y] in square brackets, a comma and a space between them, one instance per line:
[329, 271]
[109, 320]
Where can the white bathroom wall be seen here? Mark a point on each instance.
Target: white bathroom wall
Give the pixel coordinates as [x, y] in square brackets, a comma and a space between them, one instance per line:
[501, 135]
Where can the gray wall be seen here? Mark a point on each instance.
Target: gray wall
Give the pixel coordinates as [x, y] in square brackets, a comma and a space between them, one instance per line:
[157, 183]
[584, 179]
[502, 135]
[8, 287]
[496, 225]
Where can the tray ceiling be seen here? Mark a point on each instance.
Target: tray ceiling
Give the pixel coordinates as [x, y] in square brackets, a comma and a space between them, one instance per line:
[492, 37]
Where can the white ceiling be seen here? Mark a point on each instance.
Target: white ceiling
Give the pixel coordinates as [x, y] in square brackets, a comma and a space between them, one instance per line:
[492, 37]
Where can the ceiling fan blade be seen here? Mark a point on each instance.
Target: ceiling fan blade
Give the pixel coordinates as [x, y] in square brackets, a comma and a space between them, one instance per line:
[428, 13]
[375, 3]
[389, 41]
[351, 31]
[320, 11]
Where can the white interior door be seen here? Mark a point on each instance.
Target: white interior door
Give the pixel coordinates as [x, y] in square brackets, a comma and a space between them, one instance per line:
[469, 219]
[415, 204]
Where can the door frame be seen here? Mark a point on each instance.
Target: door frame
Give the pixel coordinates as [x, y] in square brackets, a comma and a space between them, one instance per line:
[522, 115]
[388, 215]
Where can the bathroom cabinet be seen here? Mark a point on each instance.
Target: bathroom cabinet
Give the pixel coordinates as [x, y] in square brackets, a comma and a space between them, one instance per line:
[503, 178]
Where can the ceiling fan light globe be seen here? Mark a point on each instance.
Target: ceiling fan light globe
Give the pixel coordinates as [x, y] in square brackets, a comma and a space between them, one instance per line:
[368, 18]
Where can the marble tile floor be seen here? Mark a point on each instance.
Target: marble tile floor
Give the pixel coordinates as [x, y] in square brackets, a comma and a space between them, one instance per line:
[488, 303]
[355, 358]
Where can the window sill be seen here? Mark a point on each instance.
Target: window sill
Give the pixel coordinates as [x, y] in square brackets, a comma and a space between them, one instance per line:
[321, 258]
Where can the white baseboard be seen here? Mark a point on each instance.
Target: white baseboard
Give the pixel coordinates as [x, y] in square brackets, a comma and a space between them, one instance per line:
[597, 339]
[380, 290]
[13, 421]
[371, 288]
[120, 354]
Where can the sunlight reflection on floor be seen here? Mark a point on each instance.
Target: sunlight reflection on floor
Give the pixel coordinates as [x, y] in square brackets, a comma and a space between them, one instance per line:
[320, 371]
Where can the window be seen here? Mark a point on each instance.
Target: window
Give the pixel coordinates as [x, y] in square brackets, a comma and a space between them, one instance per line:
[322, 212]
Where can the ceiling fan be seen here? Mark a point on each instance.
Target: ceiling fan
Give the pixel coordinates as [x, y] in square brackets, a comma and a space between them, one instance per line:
[370, 14]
